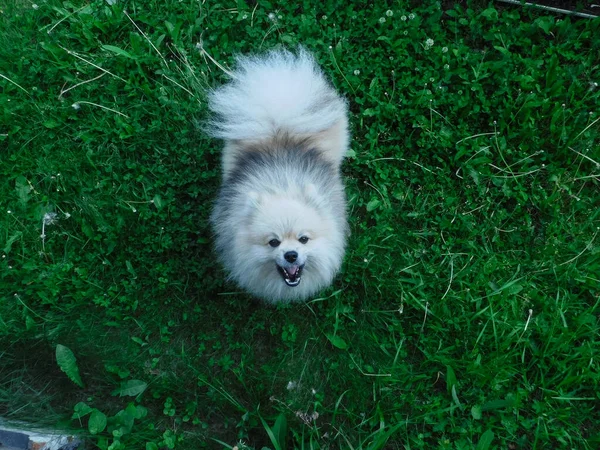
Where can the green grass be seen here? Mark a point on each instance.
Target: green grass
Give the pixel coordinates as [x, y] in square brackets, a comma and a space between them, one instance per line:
[467, 312]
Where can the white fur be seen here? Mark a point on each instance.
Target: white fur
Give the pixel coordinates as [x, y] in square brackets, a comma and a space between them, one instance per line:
[286, 218]
[280, 94]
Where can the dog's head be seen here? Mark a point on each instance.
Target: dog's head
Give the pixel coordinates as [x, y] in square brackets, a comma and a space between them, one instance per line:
[291, 242]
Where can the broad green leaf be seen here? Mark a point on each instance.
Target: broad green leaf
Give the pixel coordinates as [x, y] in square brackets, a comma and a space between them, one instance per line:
[271, 435]
[286, 38]
[137, 340]
[136, 411]
[450, 378]
[514, 289]
[130, 268]
[81, 409]
[545, 23]
[97, 422]
[170, 438]
[118, 51]
[130, 388]
[502, 50]
[29, 323]
[51, 123]
[476, 412]
[158, 201]
[337, 341]
[124, 422]
[497, 404]
[23, 189]
[490, 13]
[373, 204]
[170, 26]
[11, 240]
[455, 397]
[68, 364]
[485, 440]
[280, 430]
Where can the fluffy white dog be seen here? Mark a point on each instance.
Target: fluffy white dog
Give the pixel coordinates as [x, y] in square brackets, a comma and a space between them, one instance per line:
[280, 216]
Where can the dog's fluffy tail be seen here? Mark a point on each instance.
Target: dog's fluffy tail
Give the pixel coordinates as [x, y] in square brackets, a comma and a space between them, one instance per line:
[281, 93]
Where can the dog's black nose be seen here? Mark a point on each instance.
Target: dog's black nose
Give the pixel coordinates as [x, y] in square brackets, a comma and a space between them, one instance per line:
[291, 256]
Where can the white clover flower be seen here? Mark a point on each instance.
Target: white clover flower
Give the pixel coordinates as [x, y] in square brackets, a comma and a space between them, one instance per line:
[67, 215]
[444, 49]
[357, 72]
[307, 418]
[245, 16]
[324, 17]
[291, 385]
[50, 218]
[403, 18]
[272, 16]
[34, 6]
[382, 20]
[389, 13]
[411, 16]
[76, 106]
[9, 212]
[429, 43]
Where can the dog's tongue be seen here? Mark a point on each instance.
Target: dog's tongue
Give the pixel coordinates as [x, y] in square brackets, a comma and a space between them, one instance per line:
[292, 271]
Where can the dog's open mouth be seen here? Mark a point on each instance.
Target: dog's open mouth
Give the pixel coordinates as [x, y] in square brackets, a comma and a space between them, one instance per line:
[291, 275]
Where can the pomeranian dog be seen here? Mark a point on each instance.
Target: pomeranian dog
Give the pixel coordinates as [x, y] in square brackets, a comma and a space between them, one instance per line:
[280, 216]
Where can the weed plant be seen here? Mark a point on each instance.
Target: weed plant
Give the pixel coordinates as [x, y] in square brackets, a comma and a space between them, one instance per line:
[467, 312]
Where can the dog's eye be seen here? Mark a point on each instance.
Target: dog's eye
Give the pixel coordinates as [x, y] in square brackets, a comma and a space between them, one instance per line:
[274, 243]
[303, 240]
